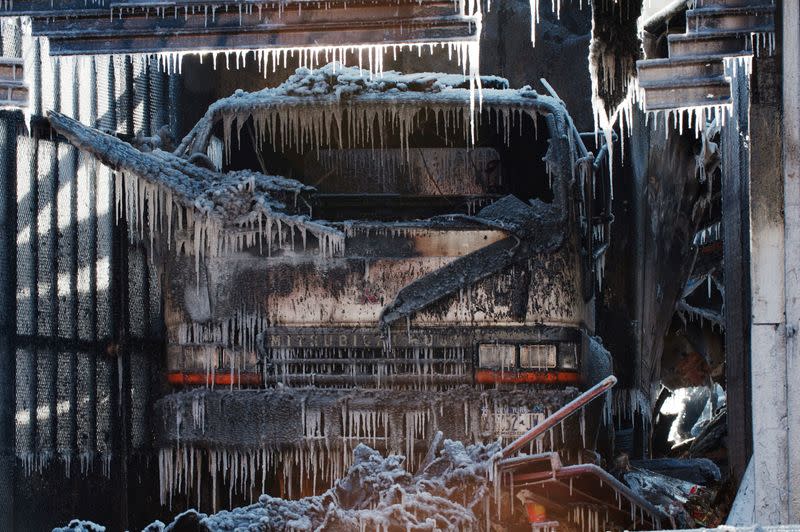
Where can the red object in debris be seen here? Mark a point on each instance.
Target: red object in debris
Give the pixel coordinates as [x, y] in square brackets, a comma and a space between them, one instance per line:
[488, 376]
[177, 378]
[536, 512]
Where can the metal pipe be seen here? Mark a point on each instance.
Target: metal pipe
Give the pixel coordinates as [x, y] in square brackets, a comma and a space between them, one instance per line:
[606, 478]
[561, 414]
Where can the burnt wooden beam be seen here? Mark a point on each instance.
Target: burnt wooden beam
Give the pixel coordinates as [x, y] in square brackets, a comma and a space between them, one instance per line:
[736, 260]
[74, 28]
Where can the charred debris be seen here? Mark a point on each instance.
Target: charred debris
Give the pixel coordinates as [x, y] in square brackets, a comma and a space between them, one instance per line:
[304, 326]
[384, 297]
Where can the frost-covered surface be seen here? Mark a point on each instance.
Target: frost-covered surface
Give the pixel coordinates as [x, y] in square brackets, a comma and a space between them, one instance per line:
[310, 432]
[341, 105]
[78, 525]
[534, 231]
[449, 492]
[205, 212]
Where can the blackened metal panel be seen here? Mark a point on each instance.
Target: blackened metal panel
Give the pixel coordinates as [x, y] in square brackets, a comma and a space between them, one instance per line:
[8, 134]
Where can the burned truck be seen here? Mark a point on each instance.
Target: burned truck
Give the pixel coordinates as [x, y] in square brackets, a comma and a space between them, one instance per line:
[364, 257]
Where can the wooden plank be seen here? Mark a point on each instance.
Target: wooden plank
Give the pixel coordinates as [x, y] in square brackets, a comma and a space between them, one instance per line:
[768, 276]
[145, 27]
[791, 183]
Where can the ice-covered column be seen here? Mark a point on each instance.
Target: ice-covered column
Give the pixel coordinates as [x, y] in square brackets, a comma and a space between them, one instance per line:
[775, 283]
[791, 177]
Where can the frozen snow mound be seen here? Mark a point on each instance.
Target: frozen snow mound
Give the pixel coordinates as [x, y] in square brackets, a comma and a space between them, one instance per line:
[448, 492]
[78, 525]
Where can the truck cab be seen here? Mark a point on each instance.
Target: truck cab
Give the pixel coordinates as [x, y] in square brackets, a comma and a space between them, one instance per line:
[422, 264]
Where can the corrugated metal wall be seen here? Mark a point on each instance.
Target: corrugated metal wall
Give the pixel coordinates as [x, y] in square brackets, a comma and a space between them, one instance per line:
[80, 341]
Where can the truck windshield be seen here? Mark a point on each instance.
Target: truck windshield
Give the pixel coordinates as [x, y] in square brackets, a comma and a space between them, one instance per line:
[387, 174]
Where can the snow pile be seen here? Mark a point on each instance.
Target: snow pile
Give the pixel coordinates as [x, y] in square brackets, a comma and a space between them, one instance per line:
[447, 493]
[78, 525]
[343, 80]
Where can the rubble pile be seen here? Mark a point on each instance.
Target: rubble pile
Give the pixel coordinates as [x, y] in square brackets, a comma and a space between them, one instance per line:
[378, 493]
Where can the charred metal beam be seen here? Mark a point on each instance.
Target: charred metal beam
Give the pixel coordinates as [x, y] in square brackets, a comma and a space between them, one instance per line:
[533, 231]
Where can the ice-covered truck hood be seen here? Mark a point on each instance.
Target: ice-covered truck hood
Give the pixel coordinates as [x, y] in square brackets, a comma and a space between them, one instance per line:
[309, 107]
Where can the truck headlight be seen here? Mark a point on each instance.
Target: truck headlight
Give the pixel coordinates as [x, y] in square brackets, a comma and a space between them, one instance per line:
[537, 356]
[497, 356]
[568, 356]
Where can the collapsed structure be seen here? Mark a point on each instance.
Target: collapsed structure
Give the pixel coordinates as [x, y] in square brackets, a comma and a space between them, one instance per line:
[465, 306]
[357, 256]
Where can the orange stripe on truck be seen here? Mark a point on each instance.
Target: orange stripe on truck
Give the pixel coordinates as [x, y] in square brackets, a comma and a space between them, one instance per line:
[250, 378]
[489, 376]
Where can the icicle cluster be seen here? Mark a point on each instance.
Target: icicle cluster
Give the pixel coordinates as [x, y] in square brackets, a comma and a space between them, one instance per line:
[38, 461]
[555, 6]
[342, 107]
[325, 433]
[709, 234]
[695, 117]
[249, 472]
[589, 518]
[245, 8]
[225, 216]
[630, 402]
[378, 493]
[763, 42]
[223, 345]
[300, 366]
[467, 55]
[204, 212]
